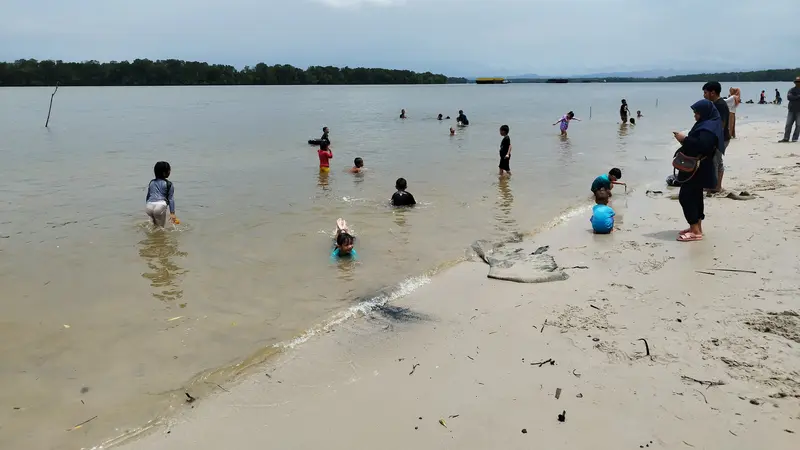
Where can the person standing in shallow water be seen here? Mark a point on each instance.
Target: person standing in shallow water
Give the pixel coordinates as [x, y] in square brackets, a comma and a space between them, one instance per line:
[505, 152]
[702, 142]
[161, 196]
[624, 112]
[402, 113]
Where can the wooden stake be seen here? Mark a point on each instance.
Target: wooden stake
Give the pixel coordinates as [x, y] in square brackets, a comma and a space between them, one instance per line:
[51, 105]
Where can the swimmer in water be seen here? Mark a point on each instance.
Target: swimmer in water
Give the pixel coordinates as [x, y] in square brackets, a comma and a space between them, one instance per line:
[401, 197]
[160, 196]
[564, 122]
[344, 243]
[402, 113]
[440, 117]
[358, 166]
[462, 118]
[325, 154]
[325, 135]
[452, 131]
[639, 114]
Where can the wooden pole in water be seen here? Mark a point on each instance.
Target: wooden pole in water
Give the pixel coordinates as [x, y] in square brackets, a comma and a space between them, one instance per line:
[590, 113]
[51, 105]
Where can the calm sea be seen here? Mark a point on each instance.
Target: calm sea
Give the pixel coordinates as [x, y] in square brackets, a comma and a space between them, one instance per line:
[102, 316]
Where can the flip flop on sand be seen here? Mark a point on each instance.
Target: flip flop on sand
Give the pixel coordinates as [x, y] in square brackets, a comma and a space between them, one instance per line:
[689, 237]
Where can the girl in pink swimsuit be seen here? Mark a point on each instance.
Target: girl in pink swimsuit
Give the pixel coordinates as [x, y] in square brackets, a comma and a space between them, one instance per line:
[564, 122]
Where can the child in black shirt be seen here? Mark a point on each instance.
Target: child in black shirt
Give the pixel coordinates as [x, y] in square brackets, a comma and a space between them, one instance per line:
[505, 151]
[401, 197]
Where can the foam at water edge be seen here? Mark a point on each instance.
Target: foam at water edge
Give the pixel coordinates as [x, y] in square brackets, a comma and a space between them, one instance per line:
[566, 216]
[403, 288]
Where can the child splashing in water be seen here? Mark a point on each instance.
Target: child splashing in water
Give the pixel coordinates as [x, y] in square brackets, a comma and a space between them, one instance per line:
[564, 121]
[344, 242]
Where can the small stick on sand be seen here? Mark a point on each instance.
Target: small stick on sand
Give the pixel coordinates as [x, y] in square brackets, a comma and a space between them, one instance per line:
[413, 368]
[646, 347]
[704, 395]
[545, 323]
[82, 424]
[51, 105]
[703, 382]
[704, 272]
[541, 363]
[595, 307]
[735, 270]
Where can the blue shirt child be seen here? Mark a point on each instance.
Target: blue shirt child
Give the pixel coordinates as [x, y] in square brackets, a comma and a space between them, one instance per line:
[602, 219]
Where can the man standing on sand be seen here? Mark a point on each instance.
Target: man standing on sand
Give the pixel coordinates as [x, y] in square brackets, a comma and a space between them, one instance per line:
[711, 91]
[794, 113]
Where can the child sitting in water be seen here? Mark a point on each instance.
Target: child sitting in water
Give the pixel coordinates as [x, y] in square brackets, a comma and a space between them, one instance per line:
[452, 131]
[358, 166]
[401, 197]
[564, 121]
[325, 154]
[607, 181]
[344, 242]
[602, 215]
[160, 196]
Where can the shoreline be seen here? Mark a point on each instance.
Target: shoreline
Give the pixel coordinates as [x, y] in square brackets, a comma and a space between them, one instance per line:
[335, 368]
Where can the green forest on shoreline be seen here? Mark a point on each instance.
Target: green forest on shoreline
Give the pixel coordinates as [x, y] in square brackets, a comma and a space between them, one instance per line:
[726, 77]
[173, 72]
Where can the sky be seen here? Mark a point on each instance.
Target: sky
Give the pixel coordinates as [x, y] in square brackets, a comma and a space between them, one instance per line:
[458, 38]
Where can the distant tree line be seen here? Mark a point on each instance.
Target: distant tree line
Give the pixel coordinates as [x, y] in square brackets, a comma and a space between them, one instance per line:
[171, 72]
[730, 77]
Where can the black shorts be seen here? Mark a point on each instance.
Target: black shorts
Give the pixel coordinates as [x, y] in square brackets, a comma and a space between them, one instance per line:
[504, 162]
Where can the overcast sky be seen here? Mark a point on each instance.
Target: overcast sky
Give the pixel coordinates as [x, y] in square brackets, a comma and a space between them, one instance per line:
[467, 37]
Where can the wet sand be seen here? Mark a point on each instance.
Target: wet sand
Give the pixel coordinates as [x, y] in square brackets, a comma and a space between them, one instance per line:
[462, 361]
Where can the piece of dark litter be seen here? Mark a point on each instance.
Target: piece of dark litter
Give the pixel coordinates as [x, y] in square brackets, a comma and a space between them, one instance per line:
[562, 417]
[416, 428]
[189, 398]
[420, 418]
[558, 393]
[754, 401]
[525, 431]
[579, 396]
[596, 339]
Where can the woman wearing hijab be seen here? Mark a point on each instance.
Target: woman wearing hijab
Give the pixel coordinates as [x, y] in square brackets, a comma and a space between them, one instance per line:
[733, 101]
[703, 140]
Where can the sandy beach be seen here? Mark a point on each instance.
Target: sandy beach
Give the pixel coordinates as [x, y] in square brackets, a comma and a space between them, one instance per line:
[470, 362]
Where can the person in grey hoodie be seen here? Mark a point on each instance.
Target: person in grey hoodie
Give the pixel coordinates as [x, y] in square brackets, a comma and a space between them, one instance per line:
[794, 113]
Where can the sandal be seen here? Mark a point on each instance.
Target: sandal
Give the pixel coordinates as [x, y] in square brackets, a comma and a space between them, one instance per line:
[690, 237]
[684, 231]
